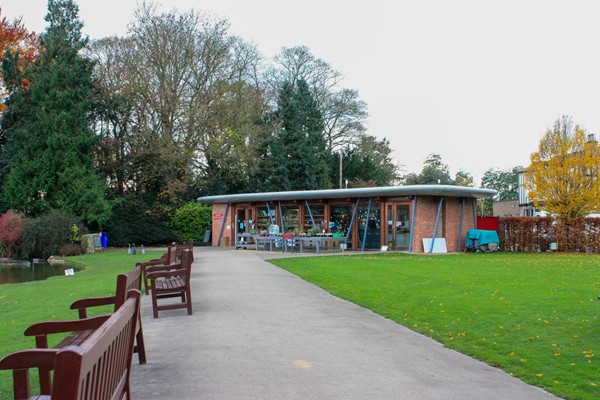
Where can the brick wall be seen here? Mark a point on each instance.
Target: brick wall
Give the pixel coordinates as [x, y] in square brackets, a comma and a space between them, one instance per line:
[449, 223]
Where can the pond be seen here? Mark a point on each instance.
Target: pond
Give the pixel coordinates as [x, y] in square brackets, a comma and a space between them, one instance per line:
[12, 271]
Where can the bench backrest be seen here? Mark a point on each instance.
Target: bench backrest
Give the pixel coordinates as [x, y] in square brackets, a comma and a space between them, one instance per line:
[126, 282]
[185, 246]
[187, 258]
[99, 368]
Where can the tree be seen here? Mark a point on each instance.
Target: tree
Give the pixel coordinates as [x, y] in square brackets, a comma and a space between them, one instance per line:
[180, 105]
[49, 152]
[368, 164]
[343, 112]
[564, 175]
[434, 172]
[505, 182]
[296, 158]
[19, 47]
[464, 179]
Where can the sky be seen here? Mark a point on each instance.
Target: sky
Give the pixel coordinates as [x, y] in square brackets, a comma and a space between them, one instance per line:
[476, 81]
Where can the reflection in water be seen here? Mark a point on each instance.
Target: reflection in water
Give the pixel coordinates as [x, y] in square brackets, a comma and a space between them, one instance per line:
[21, 271]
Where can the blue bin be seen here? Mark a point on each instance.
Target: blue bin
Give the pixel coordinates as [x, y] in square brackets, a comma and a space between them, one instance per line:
[104, 240]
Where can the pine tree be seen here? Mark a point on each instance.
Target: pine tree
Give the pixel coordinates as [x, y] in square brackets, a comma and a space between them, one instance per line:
[49, 151]
[298, 153]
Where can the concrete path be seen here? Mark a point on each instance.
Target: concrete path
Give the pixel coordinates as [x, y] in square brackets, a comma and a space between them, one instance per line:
[259, 332]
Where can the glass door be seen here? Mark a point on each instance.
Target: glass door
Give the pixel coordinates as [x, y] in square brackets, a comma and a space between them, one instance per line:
[398, 226]
[244, 221]
[402, 234]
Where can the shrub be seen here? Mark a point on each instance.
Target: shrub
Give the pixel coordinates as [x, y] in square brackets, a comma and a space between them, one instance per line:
[192, 220]
[11, 229]
[134, 221]
[70, 249]
[45, 236]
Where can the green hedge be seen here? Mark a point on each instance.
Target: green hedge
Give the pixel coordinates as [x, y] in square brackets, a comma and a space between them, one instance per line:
[192, 220]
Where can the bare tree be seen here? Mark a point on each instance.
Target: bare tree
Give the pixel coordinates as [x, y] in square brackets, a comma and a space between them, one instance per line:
[188, 83]
[344, 114]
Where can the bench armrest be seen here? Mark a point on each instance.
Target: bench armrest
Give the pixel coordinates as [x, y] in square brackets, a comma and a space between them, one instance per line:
[26, 359]
[83, 304]
[166, 274]
[49, 327]
[156, 261]
[170, 267]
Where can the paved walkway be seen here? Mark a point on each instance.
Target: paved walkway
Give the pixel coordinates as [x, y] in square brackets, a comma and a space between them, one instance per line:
[259, 332]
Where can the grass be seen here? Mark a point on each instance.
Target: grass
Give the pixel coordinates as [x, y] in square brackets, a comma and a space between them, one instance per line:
[26, 303]
[533, 315]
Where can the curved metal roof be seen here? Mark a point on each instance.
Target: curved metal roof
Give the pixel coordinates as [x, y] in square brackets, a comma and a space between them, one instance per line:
[386, 191]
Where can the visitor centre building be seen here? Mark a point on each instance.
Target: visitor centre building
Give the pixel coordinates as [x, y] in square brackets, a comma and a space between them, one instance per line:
[416, 218]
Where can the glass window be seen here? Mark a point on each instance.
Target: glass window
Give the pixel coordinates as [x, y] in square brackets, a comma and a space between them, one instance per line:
[369, 220]
[263, 220]
[318, 215]
[291, 219]
[340, 216]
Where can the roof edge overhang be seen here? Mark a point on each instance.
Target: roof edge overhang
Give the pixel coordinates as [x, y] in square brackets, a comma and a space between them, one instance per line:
[386, 191]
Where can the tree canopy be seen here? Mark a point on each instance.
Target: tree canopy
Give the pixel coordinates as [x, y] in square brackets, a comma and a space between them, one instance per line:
[176, 108]
[505, 182]
[564, 175]
[49, 154]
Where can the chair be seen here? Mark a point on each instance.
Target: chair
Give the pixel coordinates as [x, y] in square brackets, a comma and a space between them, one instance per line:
[171, 281]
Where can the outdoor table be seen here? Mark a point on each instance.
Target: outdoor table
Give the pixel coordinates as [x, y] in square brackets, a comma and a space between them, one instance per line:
[319, 241]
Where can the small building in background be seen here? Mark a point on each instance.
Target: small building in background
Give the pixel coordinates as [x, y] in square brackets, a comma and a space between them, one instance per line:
[506, 208]
[398, 217]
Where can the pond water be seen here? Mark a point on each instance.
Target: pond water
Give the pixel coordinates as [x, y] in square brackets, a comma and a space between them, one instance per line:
[24, 271]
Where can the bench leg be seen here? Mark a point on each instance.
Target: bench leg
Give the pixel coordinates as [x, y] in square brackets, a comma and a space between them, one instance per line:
[21, 384]
[189, 300]
[45, 381]
[140, 347]
[154, 304]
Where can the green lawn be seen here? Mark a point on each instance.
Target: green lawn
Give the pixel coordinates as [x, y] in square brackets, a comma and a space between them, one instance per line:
[533, 315]
[24, 304]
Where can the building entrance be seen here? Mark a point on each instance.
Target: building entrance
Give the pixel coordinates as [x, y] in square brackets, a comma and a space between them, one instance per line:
[398, 226]
[244, 220]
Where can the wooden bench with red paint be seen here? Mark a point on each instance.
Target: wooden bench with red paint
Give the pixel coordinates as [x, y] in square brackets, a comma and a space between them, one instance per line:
[96, 369]
[81, 331]
[166, 259]
[172, 281]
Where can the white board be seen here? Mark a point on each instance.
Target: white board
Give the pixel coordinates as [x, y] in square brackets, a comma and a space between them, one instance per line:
[439, 246]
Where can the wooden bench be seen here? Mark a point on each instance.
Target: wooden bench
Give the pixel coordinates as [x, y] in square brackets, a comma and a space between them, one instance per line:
[172, 256]
[172, 281]
[96, 369]
[166, 259]
[80, 332]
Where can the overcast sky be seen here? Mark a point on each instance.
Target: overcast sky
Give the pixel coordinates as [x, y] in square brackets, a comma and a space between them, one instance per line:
[476, 81]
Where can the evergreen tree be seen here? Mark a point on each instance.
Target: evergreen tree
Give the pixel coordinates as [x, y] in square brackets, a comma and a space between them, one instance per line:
[49, 151]
[297, 158]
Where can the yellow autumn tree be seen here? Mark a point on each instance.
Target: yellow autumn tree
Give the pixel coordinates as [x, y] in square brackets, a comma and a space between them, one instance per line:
[564, 175]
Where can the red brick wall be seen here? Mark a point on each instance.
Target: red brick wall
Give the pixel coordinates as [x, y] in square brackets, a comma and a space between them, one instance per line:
[453, 208]
[218, 214]
[427, 208]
